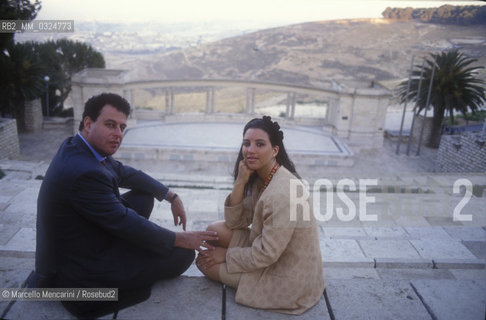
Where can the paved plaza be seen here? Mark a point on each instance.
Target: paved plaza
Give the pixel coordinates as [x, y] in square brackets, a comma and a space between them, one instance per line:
[225, 136]
[423, 256]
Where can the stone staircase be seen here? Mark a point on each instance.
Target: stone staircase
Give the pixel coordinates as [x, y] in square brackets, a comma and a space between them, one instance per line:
[416, 261]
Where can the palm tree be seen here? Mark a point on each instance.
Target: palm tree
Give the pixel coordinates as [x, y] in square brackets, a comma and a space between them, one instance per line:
[455, 88]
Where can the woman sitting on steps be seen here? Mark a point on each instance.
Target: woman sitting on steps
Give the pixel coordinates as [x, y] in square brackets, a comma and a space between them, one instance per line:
[268, 253]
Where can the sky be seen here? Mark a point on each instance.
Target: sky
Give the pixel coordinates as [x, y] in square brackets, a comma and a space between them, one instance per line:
[176, 11]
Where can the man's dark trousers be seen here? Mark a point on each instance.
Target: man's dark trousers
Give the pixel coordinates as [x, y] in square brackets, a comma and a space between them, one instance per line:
[171, 267]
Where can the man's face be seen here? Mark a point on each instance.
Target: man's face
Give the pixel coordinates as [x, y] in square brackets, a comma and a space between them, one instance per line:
[106, 133]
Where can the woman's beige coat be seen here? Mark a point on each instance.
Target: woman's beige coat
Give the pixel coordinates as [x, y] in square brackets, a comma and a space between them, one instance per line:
[281, 266]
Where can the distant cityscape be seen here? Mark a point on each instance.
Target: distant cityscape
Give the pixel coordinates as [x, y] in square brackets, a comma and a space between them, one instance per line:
[147, 38]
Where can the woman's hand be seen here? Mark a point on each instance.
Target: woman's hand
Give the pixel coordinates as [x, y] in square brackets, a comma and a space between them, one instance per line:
[208, 258]
[244, 172]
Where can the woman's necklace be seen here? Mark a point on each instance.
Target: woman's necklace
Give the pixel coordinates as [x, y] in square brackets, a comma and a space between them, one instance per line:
[269, 177]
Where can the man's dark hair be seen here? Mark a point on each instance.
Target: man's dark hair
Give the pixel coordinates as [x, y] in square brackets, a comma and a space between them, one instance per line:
[93, 106]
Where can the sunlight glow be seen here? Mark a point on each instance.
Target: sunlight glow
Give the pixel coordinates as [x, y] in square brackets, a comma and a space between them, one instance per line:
[224, 10]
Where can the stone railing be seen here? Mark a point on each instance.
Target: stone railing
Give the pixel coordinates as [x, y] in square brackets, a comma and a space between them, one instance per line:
[33, 115]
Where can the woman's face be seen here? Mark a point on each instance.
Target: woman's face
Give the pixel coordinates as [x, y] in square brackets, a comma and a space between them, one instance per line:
[257, 149]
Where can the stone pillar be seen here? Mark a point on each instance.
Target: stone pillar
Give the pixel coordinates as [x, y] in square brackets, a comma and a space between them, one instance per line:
[287, 109]
[419, 122]
[128, 94]
[331, 107]
[171, 99]
[341, 115]
[359, 115]
[368, 117]
[292, 105]
[167, 104]
[252, 106]
[250, 100]
[210, 100]
[247, 111]
[207, 100]
[9, 139]
[33, 115]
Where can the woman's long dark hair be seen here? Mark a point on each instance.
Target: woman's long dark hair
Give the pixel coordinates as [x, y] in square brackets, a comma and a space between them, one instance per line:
[276, 139]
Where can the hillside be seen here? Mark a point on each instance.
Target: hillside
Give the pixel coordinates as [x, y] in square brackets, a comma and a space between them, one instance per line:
[357, 51]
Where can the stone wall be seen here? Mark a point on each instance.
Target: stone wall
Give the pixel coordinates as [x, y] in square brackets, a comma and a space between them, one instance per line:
[464, 152]
[33, 115]
[9, 139]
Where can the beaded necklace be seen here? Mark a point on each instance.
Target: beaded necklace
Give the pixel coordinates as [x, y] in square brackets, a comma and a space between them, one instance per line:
[269, 177]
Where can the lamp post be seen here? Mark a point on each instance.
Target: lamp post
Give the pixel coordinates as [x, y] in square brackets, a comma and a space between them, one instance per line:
[46, 79]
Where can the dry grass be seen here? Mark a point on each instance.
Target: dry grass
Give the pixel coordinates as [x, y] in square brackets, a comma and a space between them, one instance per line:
[226, 100]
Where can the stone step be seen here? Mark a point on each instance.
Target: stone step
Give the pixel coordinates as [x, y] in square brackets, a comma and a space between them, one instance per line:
[348, 253]
[411, 183]
[184, 297]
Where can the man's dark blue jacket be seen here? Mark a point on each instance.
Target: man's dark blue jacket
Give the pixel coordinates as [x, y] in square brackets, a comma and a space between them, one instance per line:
[86, 235]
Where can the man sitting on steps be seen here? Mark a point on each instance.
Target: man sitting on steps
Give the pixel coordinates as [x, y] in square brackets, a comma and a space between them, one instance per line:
[90, 236]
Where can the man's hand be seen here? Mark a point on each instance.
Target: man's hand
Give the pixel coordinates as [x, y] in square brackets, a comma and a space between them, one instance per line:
[178, 212]
[195, 239]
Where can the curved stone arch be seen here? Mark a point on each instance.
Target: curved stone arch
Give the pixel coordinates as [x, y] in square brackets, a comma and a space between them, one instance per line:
[251, 86]
[232, 83]
[355, 114]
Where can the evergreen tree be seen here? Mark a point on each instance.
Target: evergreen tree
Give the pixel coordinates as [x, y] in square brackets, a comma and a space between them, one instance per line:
[62, 59]
[21, 80]
[16, 10]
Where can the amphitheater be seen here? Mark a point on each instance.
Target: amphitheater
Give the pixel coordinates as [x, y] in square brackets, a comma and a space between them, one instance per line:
[323, 134]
